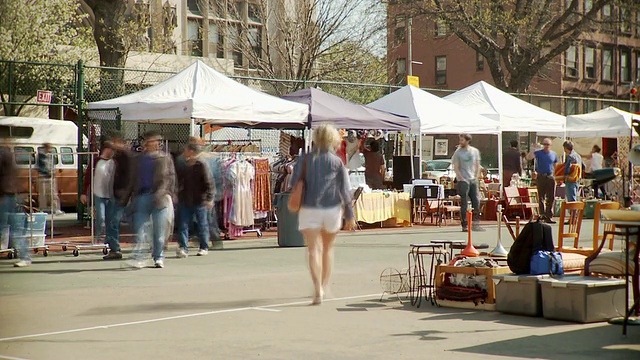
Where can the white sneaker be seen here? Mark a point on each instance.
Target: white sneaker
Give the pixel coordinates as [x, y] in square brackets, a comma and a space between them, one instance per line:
[181, 253]
[159, 264]
[58, 212]
[202, 252]
[22, 263]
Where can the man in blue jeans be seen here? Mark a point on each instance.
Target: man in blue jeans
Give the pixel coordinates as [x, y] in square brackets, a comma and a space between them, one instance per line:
[466, 164]
[121, 195]
[195, 191]
[153, 180]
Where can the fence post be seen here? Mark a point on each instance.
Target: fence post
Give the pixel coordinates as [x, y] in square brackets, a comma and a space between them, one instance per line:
[10, 89]
[80, 107]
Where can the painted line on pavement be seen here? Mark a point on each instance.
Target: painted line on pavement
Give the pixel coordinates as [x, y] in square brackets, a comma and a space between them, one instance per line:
[265, 307]
[7, 357]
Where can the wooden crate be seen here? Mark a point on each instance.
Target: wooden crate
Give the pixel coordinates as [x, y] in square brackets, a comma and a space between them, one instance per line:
[442, 270]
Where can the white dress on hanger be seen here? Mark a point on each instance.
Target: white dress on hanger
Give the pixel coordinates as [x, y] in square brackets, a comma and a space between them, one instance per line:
[242, 194]
[353, 155]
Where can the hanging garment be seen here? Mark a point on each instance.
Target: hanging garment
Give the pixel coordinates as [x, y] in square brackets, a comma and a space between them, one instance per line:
[242, 207]
[261, 186]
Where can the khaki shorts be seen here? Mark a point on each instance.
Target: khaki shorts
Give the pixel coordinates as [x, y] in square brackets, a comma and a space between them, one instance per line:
[327, 219]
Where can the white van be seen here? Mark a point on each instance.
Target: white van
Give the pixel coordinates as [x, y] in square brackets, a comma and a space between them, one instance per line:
[27, 136]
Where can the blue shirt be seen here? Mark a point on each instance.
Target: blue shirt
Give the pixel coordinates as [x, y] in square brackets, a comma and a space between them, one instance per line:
[146, 173]
[326, 182]
[545, 161]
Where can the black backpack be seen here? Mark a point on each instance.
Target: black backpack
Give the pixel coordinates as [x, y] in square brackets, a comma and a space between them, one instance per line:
[534, 236]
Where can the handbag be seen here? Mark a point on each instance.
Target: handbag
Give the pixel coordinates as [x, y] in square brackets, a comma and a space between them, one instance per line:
[546, 263]
[297, 193]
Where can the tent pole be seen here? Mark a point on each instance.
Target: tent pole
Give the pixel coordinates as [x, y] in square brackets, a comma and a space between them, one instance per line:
[500, 170]
[193, 127]
[411, 155]
[420, 156]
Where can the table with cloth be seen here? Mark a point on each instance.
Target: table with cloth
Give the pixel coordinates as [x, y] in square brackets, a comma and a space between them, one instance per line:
[382, 206]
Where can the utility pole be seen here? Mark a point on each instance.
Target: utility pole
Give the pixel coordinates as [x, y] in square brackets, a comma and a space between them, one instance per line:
[410, 51]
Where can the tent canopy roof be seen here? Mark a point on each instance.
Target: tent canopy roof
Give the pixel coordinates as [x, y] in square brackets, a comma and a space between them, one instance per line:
[201, 93]
[608, 122]
[514, 114]
[327, 108]
[431, 114]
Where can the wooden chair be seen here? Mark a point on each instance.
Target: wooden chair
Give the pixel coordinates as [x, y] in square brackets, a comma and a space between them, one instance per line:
[607, 227]
[516, 203]
[534, 198]
[575, 209]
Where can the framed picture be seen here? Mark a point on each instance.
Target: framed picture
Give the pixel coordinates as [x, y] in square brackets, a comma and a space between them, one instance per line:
[441, 147]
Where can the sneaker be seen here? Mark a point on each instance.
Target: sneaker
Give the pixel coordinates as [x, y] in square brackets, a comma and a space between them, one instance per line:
[181, 253]
[58, 212]
[22, 263]
[202, 252]
[159, 264]
[113, 255]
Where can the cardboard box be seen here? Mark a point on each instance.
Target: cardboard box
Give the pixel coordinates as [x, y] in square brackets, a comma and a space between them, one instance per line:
[442, 270]
[519, 294]
[582, 299]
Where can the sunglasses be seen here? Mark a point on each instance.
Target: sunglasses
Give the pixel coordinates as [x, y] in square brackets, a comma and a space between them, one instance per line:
[546, 144]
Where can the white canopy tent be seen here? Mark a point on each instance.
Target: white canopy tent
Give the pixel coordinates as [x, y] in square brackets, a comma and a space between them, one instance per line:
[430, 114]
[608, 122]
[199, 94]
[512, 113]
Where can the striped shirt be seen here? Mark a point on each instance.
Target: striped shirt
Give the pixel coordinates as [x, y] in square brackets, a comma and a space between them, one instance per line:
[326, 182]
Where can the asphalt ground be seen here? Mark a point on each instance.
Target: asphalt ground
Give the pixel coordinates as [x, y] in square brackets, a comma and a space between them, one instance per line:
[251, 301]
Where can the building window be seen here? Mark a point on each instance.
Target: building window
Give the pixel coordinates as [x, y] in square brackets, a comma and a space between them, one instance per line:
[401, 70]
[625, 21]
[589, 63]
[607, 64]
[441, 28]
[637, 66]
[625, 66]
[441, 70]
[590, 106]
[545, 104]
[235, 45]
[607, 18]
[255, 15]
[255, 41]
[588, 5]
[571, 62]
[400, 31]
[638, 23]
[194, 37]
[192, 6]
[479, 61]
[572, 107]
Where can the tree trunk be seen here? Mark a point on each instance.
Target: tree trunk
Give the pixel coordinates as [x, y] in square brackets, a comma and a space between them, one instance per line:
[109, 17]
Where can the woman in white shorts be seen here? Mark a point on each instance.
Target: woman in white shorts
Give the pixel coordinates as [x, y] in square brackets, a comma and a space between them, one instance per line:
[327, 197]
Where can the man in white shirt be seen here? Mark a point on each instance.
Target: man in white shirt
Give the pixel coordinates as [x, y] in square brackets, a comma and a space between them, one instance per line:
[596, 163]
[466, 164]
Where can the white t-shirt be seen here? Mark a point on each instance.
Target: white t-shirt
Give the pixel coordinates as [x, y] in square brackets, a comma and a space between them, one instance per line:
[596, 161]
[103, 178]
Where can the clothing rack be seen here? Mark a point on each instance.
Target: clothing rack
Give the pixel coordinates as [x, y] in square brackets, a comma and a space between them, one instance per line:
[229, 145]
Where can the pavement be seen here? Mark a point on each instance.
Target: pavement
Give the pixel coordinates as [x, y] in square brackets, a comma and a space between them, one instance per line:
[251, 301]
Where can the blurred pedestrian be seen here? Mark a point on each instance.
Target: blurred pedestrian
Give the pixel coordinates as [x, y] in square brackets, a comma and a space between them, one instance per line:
[572, 158]
[511, 163]
[8, 205]
[121, 194]
[545, 160]
[47, 183]
[466, 164]
[596, 163]
[195, 194]
[374, 168]
[153, 179]
[102, 177]
[326, 198]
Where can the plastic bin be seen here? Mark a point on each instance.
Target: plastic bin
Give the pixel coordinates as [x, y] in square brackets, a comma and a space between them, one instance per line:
[589, 209]
[582, 299]
[519, 294]
[288, 234]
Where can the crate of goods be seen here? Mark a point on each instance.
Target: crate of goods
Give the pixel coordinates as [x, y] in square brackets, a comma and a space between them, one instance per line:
[519, 294]
[17, 228]
[582, 299]
[443, 271]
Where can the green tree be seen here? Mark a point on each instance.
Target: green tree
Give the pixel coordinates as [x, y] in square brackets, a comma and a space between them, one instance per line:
[518, 38]
[43, 32]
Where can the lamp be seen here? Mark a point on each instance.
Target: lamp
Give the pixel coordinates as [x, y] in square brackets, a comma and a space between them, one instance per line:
[499, 251]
